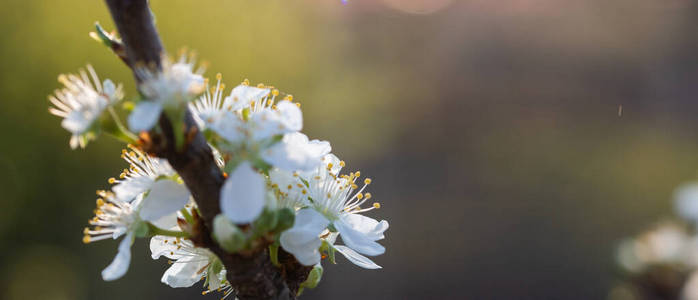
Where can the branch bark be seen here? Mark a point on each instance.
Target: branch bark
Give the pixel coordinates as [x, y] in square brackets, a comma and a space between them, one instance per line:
[252, 275]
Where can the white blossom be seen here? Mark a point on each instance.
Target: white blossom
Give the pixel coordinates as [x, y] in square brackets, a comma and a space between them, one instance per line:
[114, 218]
[190, 264]
[337, 202]
[302, 240]
[174, 86]
[142, 174]
[667, 243]
[81, 102]
[250, 118]
[209, 107]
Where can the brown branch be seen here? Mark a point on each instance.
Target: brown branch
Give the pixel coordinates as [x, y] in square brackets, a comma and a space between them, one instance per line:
[252, 275]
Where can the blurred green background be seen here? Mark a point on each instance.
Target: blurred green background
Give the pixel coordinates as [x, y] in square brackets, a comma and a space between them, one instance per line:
[491, 130]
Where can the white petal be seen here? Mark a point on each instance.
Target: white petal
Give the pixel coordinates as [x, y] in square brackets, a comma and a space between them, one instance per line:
[184, 272]
[230, 127]
[166, 197]
[295, 152]
[167, 221]
[290, 115]
[269, 122]
[144, 116]
[128, 189]
[158, 247]
[243, 194]
[242, 95]
[334, 160]
[368, 226]
[686, 198]
[119, 265]
[358, 241]
[76, 122]
[215, 281]
[108, 88]
[356, 258]
[302, 239]
[74, 141]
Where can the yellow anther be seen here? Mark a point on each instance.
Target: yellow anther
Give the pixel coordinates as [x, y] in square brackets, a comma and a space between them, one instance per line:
[342, 163]
[299, 185]
[86, 231]
[86, 239]
[222, 86]
[360, 196]
[304, 192]
[354, 186]
[368, 195]
[260, 85]
[170, 262]
[289, 97]
[124, 151]
[290, 186]
[219, 76]
[376, 205]
[112, 180]
[298, 104]
[329, 166]
[329, 195]
[100, 202]
[367, 181]
[274, 92]
[246, 82]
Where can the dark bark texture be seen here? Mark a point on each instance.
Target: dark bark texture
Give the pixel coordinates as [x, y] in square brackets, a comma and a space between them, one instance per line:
[251, 274]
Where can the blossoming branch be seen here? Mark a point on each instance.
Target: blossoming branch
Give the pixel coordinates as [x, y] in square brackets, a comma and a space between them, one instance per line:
[223, 183]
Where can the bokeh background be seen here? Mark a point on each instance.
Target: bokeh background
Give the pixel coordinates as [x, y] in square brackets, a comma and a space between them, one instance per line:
[491, 130]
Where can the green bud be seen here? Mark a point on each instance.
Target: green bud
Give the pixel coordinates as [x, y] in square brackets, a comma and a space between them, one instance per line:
[313, 279]
[228, 236]
[285, 217]
[265, 222]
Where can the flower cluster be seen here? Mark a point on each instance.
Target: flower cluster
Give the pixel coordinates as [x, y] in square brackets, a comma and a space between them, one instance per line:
[281, 189]
[665, 256]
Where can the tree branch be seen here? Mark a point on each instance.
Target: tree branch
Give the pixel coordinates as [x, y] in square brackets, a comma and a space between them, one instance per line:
[252, 275]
